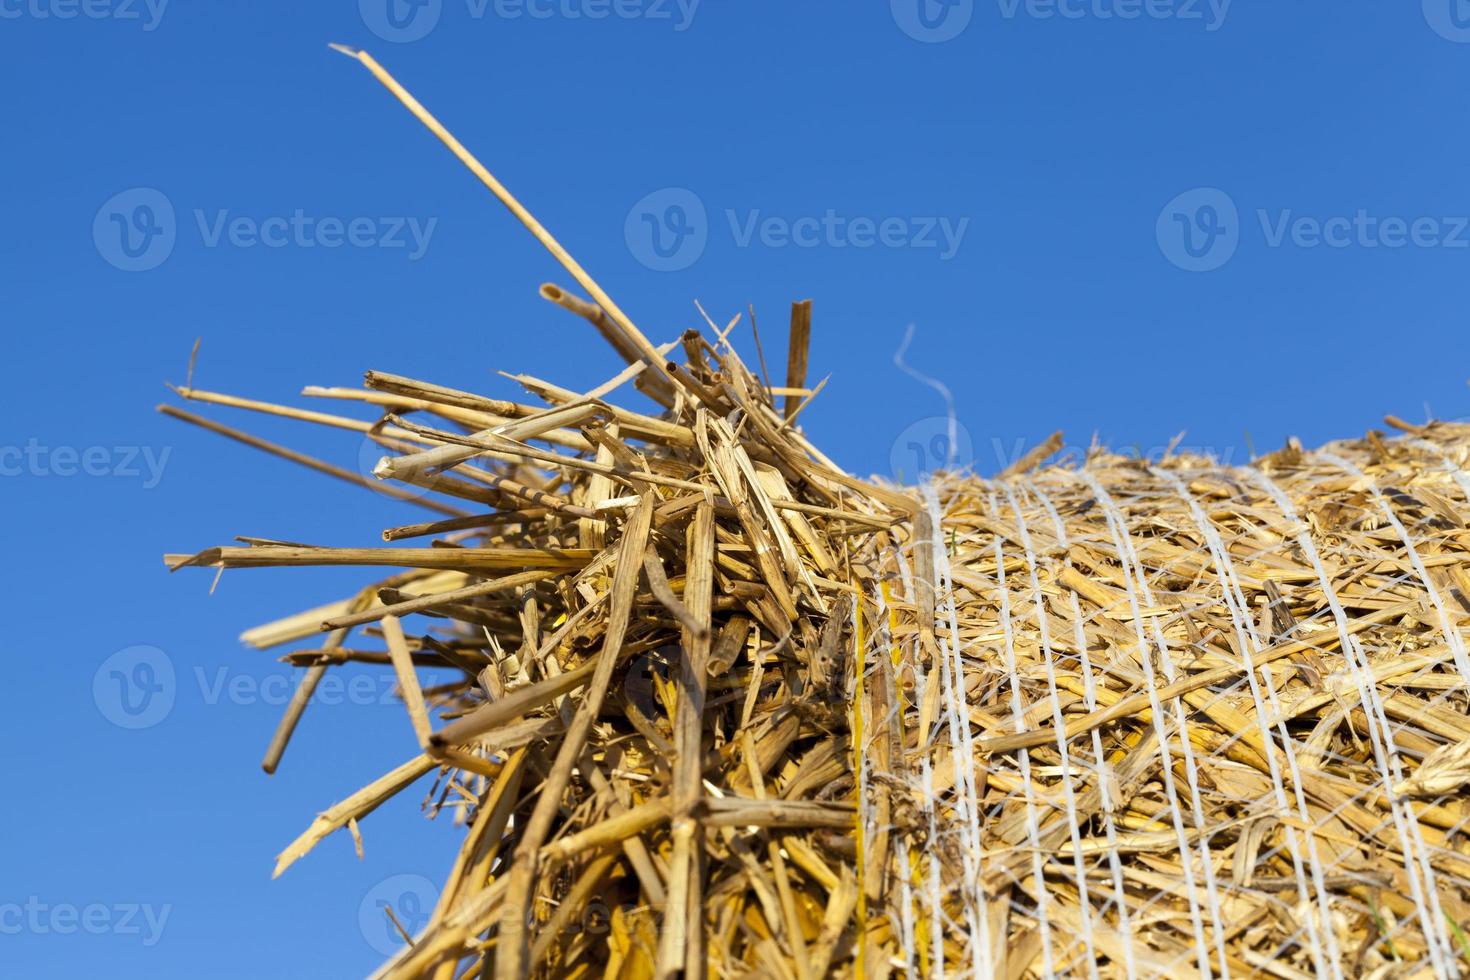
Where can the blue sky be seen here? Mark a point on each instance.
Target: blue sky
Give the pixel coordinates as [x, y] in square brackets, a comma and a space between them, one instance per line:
[1128, 217]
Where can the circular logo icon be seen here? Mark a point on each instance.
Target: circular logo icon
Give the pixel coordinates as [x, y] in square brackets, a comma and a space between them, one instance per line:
[1199, 230]
[134, 688]
[1449, 18]
[135, 230]
[639, 685]
[400, 21]
[667, 230]
[409, 898]
[932, 21]
[929, 446]
[597, 917]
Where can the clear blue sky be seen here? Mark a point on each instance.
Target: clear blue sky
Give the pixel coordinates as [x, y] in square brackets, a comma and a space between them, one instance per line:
[1134, 217]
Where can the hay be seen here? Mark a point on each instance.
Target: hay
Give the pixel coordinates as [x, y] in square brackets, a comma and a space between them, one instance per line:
[725, 709]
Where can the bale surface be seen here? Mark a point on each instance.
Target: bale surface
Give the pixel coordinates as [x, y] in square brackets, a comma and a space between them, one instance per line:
[724, 707]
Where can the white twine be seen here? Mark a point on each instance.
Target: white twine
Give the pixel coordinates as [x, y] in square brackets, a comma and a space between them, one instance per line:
[1127, 560]
[961, 744]
[1101, 770]
[1249, 642]
[1385, 752]
[1023, 758]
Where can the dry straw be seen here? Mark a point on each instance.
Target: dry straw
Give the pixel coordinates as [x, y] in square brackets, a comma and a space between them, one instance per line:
[724, 709]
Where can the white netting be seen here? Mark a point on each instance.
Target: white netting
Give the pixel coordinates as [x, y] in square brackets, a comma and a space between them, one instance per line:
[1189, 719]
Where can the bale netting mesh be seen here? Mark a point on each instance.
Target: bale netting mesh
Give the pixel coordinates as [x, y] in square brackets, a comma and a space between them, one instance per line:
[1117, 719]
[719, 708]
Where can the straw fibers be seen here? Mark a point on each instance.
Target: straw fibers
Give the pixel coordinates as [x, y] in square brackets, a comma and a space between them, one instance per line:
[722, 709]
